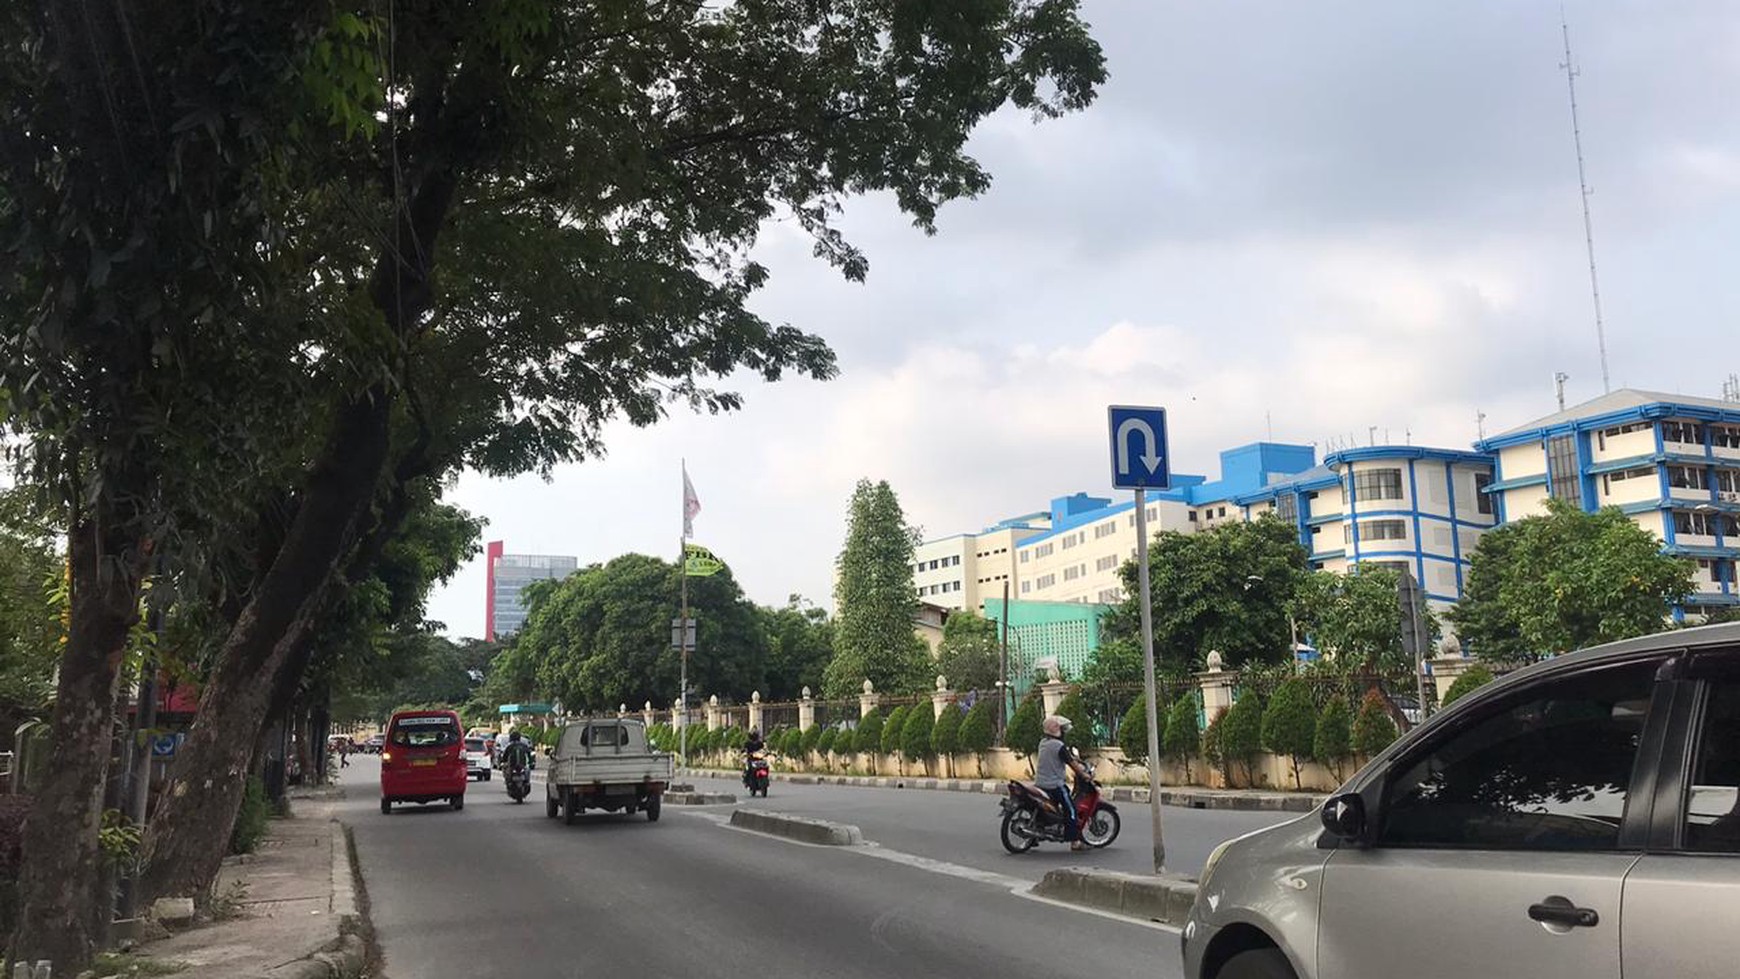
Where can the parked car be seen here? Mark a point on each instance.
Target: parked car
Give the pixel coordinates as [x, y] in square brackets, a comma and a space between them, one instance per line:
[375, 743]
[605, 764]
[1577, 818]
[478, 764]
[424, 760]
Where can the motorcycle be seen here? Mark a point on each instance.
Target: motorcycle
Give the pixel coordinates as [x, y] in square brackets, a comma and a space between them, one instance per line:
[519, 783]
[1031, 818]
[756, 775]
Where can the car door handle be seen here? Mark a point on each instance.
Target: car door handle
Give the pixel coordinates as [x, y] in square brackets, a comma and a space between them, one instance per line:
[1562, 912]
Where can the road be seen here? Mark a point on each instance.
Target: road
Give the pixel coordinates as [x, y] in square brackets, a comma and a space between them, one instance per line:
[499, 890]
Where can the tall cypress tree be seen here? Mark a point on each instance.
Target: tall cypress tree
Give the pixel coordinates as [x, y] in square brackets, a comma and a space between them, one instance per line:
[875, 599]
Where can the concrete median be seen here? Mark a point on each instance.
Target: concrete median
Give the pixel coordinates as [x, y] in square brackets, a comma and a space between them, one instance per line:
[1165, 899]
[700, 799]
[799, 828]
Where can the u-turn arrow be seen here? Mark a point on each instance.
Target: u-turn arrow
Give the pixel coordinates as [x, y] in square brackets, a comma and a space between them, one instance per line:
[1151, 442]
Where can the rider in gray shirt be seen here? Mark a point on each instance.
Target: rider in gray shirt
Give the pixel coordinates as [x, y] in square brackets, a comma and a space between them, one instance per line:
[1054, 762]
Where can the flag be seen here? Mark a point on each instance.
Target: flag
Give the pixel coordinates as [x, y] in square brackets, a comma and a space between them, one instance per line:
[698, 562]
[691, 505]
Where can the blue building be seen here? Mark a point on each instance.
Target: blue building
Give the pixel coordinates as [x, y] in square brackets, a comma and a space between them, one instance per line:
[1670, 462]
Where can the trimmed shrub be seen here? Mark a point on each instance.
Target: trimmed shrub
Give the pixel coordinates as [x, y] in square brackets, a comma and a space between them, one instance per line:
[1374, 729]
[891, 730]
[1333, 740]
[1290, 724]
[825, 743]
[251, 818]
[1182, 739]
[809, 739]
[1471, 679]
[1025, 731]
[1133, 731]
[945, 736]
[845, 743]
[978, 727]
[868, 740]
[1241, 736]
[793, 742]
[915, 733]
[735, 738]
[1081, 731]
[1211, 747]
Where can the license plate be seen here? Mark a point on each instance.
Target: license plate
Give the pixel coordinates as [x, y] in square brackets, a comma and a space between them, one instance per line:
[423, 763]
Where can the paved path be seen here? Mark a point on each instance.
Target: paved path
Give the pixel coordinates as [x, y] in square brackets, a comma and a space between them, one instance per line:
[499, 890]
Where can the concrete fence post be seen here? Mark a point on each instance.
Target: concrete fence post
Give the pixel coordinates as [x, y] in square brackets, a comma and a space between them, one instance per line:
[1051, 694]
[1217, 687]
[646, 714]
[755, 711]
[806, 711]
[868, 700]
[941, 698]
[713, 718]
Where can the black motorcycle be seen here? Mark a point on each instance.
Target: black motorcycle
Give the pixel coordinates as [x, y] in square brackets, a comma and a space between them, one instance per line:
[756, 775]
[519, 783]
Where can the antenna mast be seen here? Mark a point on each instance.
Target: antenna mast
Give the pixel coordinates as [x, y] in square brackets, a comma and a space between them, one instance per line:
[1570, 68]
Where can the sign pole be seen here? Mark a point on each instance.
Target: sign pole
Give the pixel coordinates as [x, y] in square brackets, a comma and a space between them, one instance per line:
[1150, 693]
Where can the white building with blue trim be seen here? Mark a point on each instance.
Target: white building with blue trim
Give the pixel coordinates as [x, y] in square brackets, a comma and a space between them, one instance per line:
[1670, 462]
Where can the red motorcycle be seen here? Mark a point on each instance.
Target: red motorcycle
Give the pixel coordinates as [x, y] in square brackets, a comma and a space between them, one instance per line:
[1031, 818]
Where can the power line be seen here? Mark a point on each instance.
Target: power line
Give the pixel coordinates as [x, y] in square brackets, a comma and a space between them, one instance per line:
[1570, 69]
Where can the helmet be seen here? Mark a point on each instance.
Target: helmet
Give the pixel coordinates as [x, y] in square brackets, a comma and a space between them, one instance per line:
[513, 736]
[1057, 725]
[754, 733]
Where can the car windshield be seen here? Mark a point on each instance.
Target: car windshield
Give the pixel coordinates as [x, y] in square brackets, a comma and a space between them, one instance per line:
[473, 744]
[424, 732]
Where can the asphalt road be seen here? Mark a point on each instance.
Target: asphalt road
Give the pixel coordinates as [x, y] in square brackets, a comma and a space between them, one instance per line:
[499, 890]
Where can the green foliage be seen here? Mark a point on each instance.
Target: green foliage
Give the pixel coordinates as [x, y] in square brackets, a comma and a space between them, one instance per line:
[1133, 731]
[825, 743]
[120, 839]
[251, 820]
[1117, 661]
[915, 734]
[811, 739]
[735, 738]
[1357, 619]
[868, 739]
[1471, 679]
[1212, 750]
[1081, 732]
[1373, 727]
[1227, 588]
[1290, 724]
[602, 636]
[979, 727]
[846, 742]
[32, 596]
[1241, 735]
[1332, 743]
[1566, 580]
[970, 655]
[945, 736]
[800, 642]
[893, 728]
[1026, 726]
[1182, 741]
[874, 596]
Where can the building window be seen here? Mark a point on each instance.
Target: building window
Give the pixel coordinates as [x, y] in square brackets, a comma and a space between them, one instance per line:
[1026, 586]
[1024, 556]
[1045, 581]
[1725, 436]
[1687, 433]
[1071, 573]
[1377, 484]
[1562, 476]
[1703, 524]
[1727, 481]
[1287, 507]
[1602, 436]
[1069, 542]
[1105, 530]
[1688, 477]
[1483, 498]
[1193, 516]
[1106, 563]
[1383, 530]
[1221, 513]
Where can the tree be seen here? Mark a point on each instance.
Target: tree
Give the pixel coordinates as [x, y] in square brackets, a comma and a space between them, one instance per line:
[32, 600]
[234, 274]
[1566, 580]
[915, 734]
[825, 743]
[1333, 741]
[1081, 731]
[1357, 619]
[845, 743]
[1133, 731]
[1025, 728]
[945, 737]
[811, 739]
[1241, 735]
[1212, 749]
[979, 729]
[800, 641]
[1473, 678]
[1373, 728]
[1225, 589]
[894, 729]
[970, 655]
[868, 738]
[1290, 724]
[874, 597]
[1183, 740]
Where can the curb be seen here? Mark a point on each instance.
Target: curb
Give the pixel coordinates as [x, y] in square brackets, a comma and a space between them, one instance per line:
[1182, 798]
[346, 956]
[1166, 899]
[700, 799]
[799, 828]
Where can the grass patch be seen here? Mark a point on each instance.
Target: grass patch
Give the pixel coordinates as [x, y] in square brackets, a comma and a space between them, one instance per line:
[127, 964]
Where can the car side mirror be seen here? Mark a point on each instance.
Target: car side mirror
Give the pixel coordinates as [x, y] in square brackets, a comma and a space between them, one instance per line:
[1344, 817]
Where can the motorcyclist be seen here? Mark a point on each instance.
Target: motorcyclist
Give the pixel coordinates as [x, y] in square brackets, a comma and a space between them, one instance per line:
[517, 754]
[1054, 760]
[752, 746]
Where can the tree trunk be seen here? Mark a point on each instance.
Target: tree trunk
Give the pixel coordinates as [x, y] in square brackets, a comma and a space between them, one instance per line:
[59, 880]
[200, 804]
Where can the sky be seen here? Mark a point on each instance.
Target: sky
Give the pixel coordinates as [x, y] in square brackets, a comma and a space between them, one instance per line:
[1280, 221]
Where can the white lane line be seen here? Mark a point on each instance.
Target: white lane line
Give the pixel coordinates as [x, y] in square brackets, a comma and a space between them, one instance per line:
[1016, 886]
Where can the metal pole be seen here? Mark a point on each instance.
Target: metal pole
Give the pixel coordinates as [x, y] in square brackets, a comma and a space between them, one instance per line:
[683, 645]
[1003, 669]
[1151, 693]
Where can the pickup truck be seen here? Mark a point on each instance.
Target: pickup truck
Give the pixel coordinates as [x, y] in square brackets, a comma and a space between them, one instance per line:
[605, 764]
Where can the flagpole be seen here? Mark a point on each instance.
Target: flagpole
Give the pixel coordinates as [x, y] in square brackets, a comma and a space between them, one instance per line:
[683, 624]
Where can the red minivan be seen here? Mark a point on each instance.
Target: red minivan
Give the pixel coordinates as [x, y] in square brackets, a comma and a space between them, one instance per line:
[423, 759]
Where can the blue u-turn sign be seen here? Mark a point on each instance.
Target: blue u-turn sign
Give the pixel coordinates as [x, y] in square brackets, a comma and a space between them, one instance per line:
[1138, 437]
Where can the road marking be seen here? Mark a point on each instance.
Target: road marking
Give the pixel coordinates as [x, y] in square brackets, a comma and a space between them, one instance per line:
[1016, 886]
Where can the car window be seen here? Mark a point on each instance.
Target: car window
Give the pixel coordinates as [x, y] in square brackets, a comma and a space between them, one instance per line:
[1547, 769]
[425, 732]
[1713, 803]
[473, 744]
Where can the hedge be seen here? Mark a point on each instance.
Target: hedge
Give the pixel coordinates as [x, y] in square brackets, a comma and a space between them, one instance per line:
[1081, 731]
[945, 735]
[915, 734]
[1241, 736]
[892, 729]
[1182, 740]
[978, 728]
[825, 743]
[1133, 731]
[1374, 729]
[809, 739]
[1025, 730]
[1333, 740]
[1290, 724]
[868, 740]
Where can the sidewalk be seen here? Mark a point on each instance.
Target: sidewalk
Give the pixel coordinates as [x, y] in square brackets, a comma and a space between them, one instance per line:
[292, 906]
[1251, 800]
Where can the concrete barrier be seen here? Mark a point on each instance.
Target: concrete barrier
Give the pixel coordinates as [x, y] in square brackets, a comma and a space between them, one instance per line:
[1165, 899]
[700, 798]
[799, 828]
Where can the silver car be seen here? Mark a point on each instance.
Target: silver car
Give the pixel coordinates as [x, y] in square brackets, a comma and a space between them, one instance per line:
[1579, 818]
